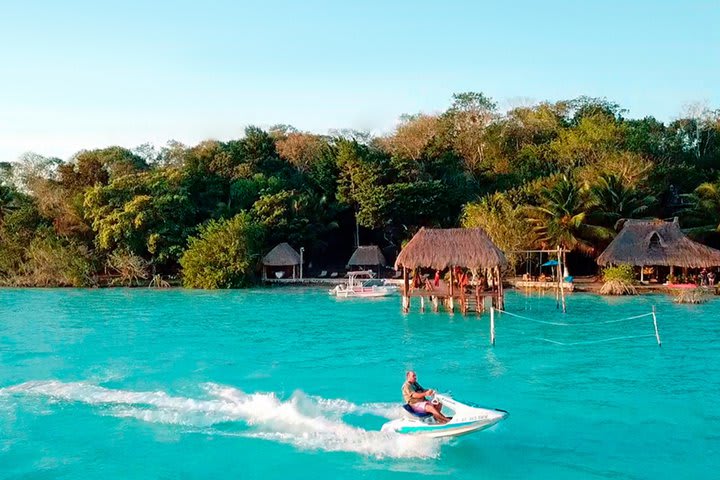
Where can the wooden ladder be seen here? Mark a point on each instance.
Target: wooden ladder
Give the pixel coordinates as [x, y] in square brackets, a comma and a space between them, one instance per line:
[471, 304]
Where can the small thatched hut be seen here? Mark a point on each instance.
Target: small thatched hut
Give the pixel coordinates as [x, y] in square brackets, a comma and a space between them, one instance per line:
[442, 249]
[281, 262]
[368, 256]
[657, 243]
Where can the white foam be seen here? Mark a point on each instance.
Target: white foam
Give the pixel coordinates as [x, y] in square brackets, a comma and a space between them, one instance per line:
[306, 422]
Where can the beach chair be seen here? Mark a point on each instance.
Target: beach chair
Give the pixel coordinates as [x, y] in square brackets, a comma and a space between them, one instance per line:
[334, 275]
[323, 274]
[397, 274]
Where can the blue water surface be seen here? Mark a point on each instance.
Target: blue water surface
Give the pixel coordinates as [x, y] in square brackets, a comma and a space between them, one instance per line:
[273, 382]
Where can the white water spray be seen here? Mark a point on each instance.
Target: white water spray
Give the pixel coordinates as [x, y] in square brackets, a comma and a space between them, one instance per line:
[306, 422]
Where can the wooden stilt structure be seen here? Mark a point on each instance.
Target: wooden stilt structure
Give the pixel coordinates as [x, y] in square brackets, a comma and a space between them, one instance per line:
[448, 249]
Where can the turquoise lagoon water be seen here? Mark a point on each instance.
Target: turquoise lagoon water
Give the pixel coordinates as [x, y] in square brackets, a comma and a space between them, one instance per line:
[274, 382]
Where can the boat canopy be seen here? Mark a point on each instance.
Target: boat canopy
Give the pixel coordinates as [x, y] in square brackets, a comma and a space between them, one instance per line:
[360, 273]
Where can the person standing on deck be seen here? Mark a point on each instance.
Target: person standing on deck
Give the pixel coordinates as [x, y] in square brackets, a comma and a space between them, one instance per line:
[415, 396]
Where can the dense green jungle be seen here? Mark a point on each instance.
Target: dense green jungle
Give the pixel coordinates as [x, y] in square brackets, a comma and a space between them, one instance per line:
[542, 175]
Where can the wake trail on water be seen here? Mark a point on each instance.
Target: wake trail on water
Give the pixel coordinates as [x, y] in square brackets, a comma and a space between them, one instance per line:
[304, 421]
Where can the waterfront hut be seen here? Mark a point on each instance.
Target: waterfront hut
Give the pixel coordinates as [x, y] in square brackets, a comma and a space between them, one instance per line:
[281, 262]
[657, 243]
[367, 257]
[446, 249]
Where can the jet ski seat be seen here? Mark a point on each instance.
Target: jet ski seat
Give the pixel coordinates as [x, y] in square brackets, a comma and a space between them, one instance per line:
[412, 412]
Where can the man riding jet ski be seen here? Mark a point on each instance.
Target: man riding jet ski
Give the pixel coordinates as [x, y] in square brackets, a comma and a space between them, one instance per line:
[415, 397]
[424, 417]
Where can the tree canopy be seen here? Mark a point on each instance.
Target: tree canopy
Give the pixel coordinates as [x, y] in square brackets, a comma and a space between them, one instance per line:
[548, 174]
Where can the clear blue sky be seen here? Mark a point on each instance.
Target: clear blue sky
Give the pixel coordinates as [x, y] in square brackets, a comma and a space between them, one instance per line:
[88, 74]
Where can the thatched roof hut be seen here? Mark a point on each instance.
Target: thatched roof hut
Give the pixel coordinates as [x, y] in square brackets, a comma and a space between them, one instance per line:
[367, 255]
[283, 255]
[442, 248]
[282, 262]
[657, 243]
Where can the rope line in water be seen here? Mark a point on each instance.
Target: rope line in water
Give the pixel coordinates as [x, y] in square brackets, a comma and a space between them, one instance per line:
[594, 341]
[565, 324]
[587, 342]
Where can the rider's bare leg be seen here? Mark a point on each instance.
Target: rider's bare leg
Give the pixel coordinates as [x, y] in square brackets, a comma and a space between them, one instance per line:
[435, 412]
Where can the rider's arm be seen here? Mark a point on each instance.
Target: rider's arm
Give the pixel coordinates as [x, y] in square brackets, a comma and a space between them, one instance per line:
[424, 393]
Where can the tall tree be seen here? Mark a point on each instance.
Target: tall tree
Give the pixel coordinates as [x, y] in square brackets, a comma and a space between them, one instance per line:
[469, 115]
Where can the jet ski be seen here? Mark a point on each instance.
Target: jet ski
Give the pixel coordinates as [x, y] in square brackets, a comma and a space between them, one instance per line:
[466, 418]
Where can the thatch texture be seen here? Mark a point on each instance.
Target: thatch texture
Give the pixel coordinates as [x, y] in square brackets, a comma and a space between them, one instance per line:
[283, 255]
[367, 255]
[657, 243]
[443, 248]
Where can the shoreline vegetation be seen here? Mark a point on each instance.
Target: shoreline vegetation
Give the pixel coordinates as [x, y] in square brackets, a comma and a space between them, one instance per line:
[548, 175]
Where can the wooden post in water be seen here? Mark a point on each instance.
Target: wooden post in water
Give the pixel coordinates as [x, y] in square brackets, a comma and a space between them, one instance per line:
[492, 325]
[435, 303]
[422, 303]
[561, 277]
[501, 290]
[406, 291]
[451, 301]
[657, 333]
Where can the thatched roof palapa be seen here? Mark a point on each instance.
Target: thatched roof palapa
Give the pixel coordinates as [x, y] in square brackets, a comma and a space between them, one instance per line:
[657, 243]
[442, 248]
[283, 255]
[367, 255]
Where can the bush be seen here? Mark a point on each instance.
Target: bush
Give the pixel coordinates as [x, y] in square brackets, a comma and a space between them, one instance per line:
[618, 287]
[51, 261]
[622, 273]
[619, 280]
[129, 268]
[223, 255]
[693, 295]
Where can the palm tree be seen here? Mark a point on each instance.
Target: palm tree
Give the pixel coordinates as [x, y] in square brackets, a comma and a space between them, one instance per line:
[561, 218]
[612, 200]
[705, 207]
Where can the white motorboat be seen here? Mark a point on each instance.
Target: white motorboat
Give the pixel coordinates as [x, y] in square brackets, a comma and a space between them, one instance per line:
[466, 418]
[362, 284]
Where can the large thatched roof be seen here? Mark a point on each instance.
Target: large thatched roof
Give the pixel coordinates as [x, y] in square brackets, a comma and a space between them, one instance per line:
[367, 255]
[443, 248]
[283, 255]
[656, 242]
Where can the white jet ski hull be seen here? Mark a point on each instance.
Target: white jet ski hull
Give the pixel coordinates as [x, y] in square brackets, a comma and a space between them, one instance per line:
[466, 419]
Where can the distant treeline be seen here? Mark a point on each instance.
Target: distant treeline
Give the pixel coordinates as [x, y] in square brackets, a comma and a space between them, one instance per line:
[544, 175]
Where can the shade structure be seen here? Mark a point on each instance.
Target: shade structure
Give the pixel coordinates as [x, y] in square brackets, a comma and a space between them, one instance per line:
[443, 248]
[367, 255]
[283, 255]
[657, 243]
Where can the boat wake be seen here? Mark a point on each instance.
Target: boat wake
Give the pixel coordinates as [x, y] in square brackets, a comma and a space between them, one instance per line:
[304, 421]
